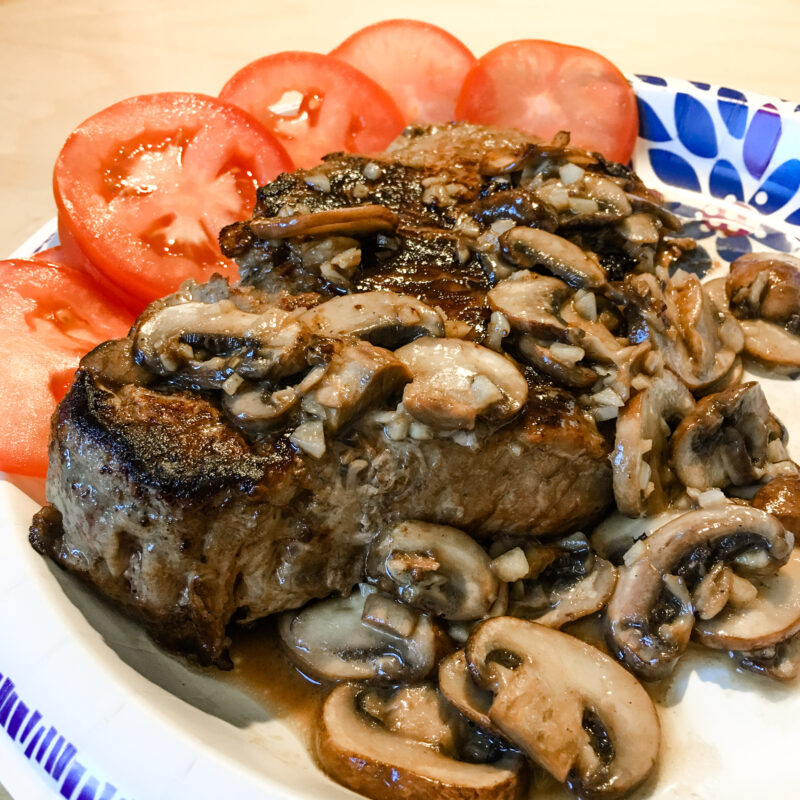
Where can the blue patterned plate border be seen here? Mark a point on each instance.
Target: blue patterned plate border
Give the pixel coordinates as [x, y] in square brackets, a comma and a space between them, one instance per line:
[737, 153]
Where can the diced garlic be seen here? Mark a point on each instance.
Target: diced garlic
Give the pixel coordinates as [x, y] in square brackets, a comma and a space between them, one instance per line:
[310, 438]
[510, 566]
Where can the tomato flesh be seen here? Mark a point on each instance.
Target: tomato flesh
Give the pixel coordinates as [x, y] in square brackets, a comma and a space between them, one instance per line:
[421, 65]
[544, 87]
[145, 186]
[50, 316]
[315, 104]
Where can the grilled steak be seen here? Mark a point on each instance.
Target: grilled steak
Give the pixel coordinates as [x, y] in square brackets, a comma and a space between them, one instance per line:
[234, 456]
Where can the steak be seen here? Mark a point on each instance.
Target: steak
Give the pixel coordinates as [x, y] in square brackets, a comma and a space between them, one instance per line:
[234, 456]
[171, 513]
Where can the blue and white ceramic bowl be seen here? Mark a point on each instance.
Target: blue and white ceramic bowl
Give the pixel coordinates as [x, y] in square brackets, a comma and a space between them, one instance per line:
[92, 711]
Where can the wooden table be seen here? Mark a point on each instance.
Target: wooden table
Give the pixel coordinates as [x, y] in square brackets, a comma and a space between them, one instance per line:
[62, 60]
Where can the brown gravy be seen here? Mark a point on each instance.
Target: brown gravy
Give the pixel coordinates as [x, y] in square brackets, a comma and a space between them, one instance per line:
[262, 670]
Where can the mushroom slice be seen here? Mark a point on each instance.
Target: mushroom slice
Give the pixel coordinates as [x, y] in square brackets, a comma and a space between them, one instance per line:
[766, 286]
[531, 303]
[517, 205]
[657, 209]
[641, 472]
[780, 662]
[455, 382]
[434, 568]
[385, 319]
[272, 341]
[559, 362]
[531, 247]
[595, 200]
[698, 340]
[329, 640]
[650, 616]
[771, 345]
[368, 218]
[731, 438]
[567, 705]
[461, 691]
[772, 617]
[402, 745]
[568, 601]
[565, 582]
[358, 375]
[259, 410]
[781, 498]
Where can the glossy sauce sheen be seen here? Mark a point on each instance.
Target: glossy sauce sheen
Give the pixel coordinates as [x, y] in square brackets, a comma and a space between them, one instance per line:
[262, 670]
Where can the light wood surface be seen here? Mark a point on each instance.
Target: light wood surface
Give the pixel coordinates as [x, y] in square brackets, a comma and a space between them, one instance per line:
[62, 60]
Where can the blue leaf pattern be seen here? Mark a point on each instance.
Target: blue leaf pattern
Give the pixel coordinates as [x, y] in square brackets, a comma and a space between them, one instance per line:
[738, 148]
[779, 188]
[724, 181]
[674, 170]
[650, 126]
[695, 126]
[761, 140]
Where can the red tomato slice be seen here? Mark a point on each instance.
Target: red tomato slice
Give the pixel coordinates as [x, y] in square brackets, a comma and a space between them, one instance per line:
[315, 105]
[145, 185]
[544, 87]
[58, 255]
[70, 254]
[50, 315]
[421, 66]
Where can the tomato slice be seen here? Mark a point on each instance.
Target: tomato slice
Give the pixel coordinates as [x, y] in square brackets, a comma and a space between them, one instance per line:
[70, 254]
[50, 315]
[315, 104]
[421, 65]
[145, 185]
[544, 87]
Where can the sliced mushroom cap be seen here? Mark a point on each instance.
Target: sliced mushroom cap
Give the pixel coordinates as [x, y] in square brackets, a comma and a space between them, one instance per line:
[698, 340]
[385, 319]
[258, 410]
[781, 498]
[434, 568]
[531, 303]
[731, 438]
[568, 601]
[455, 382]
[368, 218]
[766, 286]
[567, 705]
[771, 345]
[363, 743]
[457, 685]
[530, 248]
[641, 472]
[271, 342]
[329, 639]
[558, 361]
[597, 340]
[650, 616]
[358, 375]
[516, 205]
[780, 661]
[772, 617]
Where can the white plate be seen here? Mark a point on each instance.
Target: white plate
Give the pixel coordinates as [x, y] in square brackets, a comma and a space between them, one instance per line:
[93, 711]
